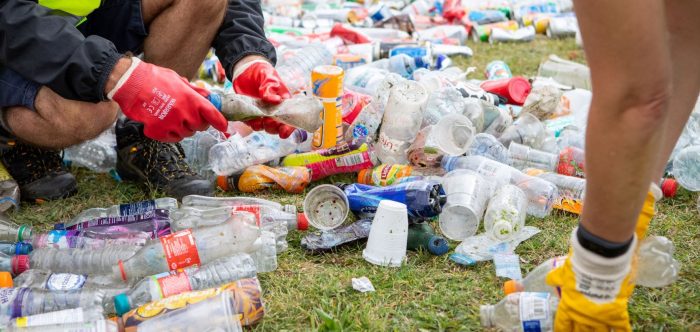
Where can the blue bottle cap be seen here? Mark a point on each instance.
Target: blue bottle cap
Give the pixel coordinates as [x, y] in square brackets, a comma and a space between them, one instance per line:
[121, 304]
[438, 246]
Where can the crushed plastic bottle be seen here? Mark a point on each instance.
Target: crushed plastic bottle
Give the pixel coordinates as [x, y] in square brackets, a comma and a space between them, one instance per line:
[98, 154]
[423, 199]
[292, 179]
[331, 239]
[80, 261]
[237, 153]
[9, 191]
[197, 148]
[488, 146]
[120, 210]
[521, 311]
[219, 312]
[526, 130]
[265, 256]
[156, 287]
[572, 190]
[17, 302]
[505, 213]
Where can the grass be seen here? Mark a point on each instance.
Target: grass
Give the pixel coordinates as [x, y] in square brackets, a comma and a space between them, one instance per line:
[313, 292]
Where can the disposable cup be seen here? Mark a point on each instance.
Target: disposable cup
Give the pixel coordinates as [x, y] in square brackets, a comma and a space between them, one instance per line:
[214, 314]
[388, 236]
[454, 134]
[326, 207]
[467, 193]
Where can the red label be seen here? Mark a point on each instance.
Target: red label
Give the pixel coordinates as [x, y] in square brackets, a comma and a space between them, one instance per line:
[174, 284]
[254, 209]
[180, 250]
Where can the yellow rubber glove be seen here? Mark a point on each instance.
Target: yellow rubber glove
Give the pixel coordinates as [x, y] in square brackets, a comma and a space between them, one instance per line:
[648, 211]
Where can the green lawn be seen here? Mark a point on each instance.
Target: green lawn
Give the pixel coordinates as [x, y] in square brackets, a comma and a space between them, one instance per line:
[428, 293]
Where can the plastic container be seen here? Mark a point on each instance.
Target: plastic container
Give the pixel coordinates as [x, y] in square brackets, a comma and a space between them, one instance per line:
[274, 210]
[518, 311]
[220, 271]
[572, 162]
[488, 146]
[188, 247]
[307, 158]
[386, 245]
[11, 232]
[237, 153]
[423, 198]
[296, 71]
[452, 136]
[326, 207]
[167, 203]
[686, 168]
[218, 310]
[402, 119]
[80, 261]
[197, 148]
[566, 72]
[657, 267]
[45, 279]
[421, 236]
[535, 280]
[327, 82]
[572, 190]
[61, 317]
[522, 157]
[260, 178]
[17, 302]
[9, 190]
[15, 264]
[524, 34]
[505, 214]
[514, 89]
[526, 130]
[543, 102]
[331, 239]
[265, 256]
[467, 193]
[98, 154]
[101, 325]
[384, 175]
[19, 248]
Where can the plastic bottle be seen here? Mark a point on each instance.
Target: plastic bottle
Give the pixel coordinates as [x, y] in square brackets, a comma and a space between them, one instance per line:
[351, 162]
[384, 175]
[526, 130]
[19, 248]
[296, 71]
[422, 236]
[219, 311]
[535, 280]
[92, 239]
[521, 311]
[17, 302]
[255, 178]
[15, 264]
[11, 232]
[80, 261]
[686, 168]
[566, 72]
[402, 120]
[188, 247]
[98, 154]
[307, 158]
[197, 148]
[236, 153]
[522, 157]
[488, 146]
[167, 203]
[505, 214]
[45, 279]
[572, 190]
[288, 212]
[327, 83]
[423, 199]
[102, 325]
[330, 239]
[61, 317]
[402, 64]
[265, 256]
[9, 190]
[213, 274]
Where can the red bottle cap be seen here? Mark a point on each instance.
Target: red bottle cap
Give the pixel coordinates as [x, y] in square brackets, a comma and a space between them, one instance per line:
[669, 187]
[515, 89]
[302, 222]
[20, 263]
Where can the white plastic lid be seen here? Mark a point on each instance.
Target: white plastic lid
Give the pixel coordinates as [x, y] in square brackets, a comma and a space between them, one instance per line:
[502, 230]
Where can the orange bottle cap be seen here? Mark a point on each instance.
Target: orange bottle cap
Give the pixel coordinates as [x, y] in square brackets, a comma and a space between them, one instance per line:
[6, 280]
[364, 176]
[512, 286]
[222, 182]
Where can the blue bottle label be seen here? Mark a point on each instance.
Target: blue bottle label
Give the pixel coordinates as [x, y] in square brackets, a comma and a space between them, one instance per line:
[137, 207]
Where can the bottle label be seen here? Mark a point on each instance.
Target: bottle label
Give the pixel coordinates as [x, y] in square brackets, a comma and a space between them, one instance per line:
[254, 209]
[534, 311]
[65, 281]
[180, 250]
[389, 144]
[173, 284]
[137, 207]
[53, 318]
[58, 239]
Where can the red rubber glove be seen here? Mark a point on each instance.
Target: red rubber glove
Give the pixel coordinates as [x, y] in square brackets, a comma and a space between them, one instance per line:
[259, 79]
[167, 105]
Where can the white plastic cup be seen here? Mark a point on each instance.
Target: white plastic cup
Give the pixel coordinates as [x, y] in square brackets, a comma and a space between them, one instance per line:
[388, 236]
[467, 193]
[326, 207]
[454, 134]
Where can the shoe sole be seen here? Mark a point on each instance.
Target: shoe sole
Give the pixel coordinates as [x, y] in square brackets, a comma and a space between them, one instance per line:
[66, 187]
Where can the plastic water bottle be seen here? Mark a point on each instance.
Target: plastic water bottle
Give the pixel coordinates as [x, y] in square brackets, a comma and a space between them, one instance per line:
[265, 256]
[98, 154]
[423, 199]
[11, 232]
[488, 146]
[505, 213]
[213, 274]
[92, 239]
[15, 264]
[9, 190]
[520, 311]
[61, 317]
[219, 315]
[80, 261]
[166, 203]
[188, 247]
[333, 238]
[101, 325]
[17, 302]
[235, 154]
[296, 71]
[686, 168]
[535, 280]
[19, 248]
[45, 279]
[402, 120]
[197, 148]
[572, 190]
[287, 212]
[401, 64]
[522, 156]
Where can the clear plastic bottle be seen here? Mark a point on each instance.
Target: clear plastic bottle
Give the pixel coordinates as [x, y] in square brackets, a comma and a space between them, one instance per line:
[11, 232]
[18, 248]
[219, 311]
[45, 279]
[67, 316]
[89, 238]
[188, 247]
[266, 255]
[505, 214]
[287, 212]
[80, 261]
[102, 325]
[488, 146]
[566, 72]
[526, 130]
[522, 156]
[572, 190]
[535, 280]
[213, 274]
[235, 154]
[9, 190]
[16, 302]
[197, 149]
[296, 71]
[98, 154]
[686, 168]
[518, 311]
[401, 64]
[167, 203]
[15, 264]
[402, 120]
[657, 267]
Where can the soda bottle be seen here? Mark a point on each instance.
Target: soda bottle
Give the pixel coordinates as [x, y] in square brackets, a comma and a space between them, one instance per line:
[422, 236]
[188, 247]
[348, 163]
[9, 190]
[571, 162]
[296, 71]
[61, 317]
[19, 248]
[402, 120]
[384, 175]
[15, 264]
[98, 154]
[260, 177]
[156, 287]
[80, 261]
[307, 158]
[423, 199]
[11, 232]
[505, 213]
[236, 153]
[520, 312]
[327, 83]
[166, 203]
[572, 190]
[333, 238]
[17, 302]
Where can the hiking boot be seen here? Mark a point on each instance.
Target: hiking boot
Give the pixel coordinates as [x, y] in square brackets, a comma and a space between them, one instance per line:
[39, 172]
[160, 165]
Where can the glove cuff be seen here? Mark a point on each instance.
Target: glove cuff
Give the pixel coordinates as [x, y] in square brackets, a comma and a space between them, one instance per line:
[656, 191]
[245, 66]
[122, 80]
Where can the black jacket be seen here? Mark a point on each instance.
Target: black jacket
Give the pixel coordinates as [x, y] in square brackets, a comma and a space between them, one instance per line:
[48, 49]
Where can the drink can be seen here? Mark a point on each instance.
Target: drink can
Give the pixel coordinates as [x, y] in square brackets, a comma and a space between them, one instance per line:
[497, 70]
[327, 84]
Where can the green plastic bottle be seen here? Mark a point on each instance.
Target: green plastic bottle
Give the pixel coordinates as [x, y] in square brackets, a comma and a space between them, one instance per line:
[422, 235]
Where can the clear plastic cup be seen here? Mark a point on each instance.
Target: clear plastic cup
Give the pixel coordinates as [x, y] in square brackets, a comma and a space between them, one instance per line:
[467, 193]
[214, 314]
[388, 236]
[454, 134]
[326, 207]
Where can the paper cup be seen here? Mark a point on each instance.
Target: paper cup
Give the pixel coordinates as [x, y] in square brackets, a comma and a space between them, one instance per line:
[388, 236]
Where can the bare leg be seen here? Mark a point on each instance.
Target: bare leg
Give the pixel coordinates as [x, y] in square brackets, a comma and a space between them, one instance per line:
[58, 122]
[181, 32]
[682, 20]
[631, 75]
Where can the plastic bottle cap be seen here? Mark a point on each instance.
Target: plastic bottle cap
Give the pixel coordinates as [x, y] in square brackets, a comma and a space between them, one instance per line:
[669, 187]
[6, 280]
[20, 263]
[221, 182]
[121, 304]
[364, 176]
[302, 222]
[512, 286]
[502, 230]
[438, 246]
